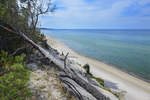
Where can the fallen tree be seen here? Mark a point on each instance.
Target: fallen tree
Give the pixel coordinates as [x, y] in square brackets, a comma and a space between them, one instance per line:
[68, 71]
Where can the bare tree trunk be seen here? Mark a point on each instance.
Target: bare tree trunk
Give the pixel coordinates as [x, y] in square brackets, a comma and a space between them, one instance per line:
[69, 72]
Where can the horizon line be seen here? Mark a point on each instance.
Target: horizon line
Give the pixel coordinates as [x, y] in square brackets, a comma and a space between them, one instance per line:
[91, 28]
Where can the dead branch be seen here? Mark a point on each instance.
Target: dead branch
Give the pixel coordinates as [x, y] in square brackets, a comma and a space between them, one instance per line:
[73, 88]
[18, 49]
[65, 60]
[73, 74]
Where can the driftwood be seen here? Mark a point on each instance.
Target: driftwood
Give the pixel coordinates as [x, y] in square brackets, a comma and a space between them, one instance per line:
[65, 59]
[68, 70]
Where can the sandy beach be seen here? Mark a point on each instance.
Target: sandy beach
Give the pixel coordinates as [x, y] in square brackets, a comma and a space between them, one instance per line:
[135, 88]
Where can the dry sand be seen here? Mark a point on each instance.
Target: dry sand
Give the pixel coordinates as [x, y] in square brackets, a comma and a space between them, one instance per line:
[135, 88]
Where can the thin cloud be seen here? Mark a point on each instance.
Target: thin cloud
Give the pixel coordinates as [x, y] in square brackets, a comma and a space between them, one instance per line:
[98, 14]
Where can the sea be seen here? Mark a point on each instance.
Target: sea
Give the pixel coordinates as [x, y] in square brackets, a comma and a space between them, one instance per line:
[127, 50]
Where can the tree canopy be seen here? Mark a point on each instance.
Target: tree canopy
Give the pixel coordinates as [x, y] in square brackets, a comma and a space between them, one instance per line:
[23, 15]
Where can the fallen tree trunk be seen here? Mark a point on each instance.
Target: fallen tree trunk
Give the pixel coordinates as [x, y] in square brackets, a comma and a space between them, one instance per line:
[69, 72]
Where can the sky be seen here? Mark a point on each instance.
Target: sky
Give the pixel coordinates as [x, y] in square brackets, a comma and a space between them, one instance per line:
[98, 14]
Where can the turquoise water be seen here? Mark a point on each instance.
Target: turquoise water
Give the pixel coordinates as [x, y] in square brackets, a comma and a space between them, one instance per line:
[128, 50]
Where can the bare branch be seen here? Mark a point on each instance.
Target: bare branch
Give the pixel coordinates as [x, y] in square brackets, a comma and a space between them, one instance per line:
[65, 59]
[73, 88]
[17, 50]
[75, 76]
[37, 8]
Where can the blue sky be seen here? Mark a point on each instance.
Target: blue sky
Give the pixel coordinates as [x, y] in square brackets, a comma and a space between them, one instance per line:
[99, 14]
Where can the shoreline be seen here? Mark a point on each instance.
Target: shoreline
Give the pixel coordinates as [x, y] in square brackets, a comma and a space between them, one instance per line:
[129, 83]
[110, 65]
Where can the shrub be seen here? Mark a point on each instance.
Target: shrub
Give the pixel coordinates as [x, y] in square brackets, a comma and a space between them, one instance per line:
[87, 68]
[99, 80]
[13, 77]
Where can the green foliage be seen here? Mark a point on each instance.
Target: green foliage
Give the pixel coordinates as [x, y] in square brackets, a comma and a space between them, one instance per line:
[87, 68]
[99, 80]
[8, 9]
[13, 81]
[18, 16]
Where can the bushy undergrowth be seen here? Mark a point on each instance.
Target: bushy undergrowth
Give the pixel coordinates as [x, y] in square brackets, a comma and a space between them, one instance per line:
[13, 77]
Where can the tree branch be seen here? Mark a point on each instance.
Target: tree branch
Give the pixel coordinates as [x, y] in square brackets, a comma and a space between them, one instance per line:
[17, 50]
[65, 59]
[73, 88]
[75, 76]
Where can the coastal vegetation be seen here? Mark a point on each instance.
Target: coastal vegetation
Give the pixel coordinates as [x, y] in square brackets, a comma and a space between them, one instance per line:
[100, 81]
[14, 76]
[18, 16]
[22, 44]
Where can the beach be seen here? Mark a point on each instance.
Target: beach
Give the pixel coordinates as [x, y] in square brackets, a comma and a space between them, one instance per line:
[135, 88]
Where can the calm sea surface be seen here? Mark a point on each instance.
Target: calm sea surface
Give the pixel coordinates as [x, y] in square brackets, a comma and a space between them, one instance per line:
[128, 50]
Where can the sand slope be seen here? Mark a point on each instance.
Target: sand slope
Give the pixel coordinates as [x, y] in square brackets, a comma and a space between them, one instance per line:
[136, 89]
